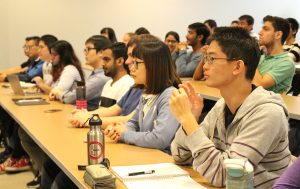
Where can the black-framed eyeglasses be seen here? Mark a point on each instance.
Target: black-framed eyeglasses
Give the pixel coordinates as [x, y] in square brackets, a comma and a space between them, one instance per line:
[136, 63]
[87, 49]
[210, 60]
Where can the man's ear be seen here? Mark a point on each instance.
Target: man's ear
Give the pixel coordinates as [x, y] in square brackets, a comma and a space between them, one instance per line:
[278, 34]
[239, 67]
[200, 37]
[120, 61]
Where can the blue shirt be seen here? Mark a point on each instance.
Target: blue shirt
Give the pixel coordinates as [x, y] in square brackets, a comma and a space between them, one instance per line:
[187, 62]
[130, 100]
[35, 68]
[94, 85]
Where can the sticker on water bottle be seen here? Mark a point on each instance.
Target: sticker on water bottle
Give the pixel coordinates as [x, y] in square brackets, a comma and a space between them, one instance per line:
[95, 150]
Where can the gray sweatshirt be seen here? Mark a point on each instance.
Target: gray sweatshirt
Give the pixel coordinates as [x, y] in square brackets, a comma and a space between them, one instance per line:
[258, 132]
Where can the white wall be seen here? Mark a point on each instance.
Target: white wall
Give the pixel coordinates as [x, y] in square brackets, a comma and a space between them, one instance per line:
[76, 20]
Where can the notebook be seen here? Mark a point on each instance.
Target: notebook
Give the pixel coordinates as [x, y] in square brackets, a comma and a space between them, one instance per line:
[163, 175]
[17, 88]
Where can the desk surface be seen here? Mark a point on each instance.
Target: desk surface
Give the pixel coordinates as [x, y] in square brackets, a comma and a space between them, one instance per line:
[65, 145]
[292, 102]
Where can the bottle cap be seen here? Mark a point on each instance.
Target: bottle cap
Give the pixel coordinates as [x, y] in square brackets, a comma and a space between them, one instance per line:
[80, 83]
[95, 120]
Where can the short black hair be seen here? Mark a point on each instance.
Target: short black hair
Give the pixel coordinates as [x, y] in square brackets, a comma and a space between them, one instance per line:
[279, 24]
[119, 50]
[174, 34]
[249, 19]
[36, 39]
[236, 43]
[200, 29]
[141, 30]
[48, 40]
[294, 25]
[99, 42]
[211, 23]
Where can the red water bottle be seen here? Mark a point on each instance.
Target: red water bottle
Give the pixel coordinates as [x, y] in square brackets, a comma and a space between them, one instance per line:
[81, 102]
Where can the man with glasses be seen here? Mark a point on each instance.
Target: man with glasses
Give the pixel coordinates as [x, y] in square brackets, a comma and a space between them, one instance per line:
[123, 110]
[96, 81]
[275, 70]
[240, 125]
[32, 67]
[187, 62]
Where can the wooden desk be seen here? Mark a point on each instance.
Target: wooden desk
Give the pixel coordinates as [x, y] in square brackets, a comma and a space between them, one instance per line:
[292, 102]
[65, 145]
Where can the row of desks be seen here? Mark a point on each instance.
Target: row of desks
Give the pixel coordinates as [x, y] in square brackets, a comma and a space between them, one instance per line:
[292, 102]
[66, 145]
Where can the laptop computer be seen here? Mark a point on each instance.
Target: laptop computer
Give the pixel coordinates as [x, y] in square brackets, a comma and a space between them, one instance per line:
[16, 86]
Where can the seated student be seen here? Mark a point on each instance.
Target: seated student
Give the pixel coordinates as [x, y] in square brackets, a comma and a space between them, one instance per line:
[124, 109]
[171, 40]
[290, 178]
[94, 43]
[275, 70]
[109, 33]
[44, 53]
[113, 58]
[14, 158]
[247, 22]
[291, 45]
[66, 70]
[152, 125]
[96, 81]
[187, 62]
[293, 48]
[34, 65]
[240, 125]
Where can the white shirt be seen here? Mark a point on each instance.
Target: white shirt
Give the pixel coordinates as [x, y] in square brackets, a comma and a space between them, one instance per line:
[47, 73]
[118, 88]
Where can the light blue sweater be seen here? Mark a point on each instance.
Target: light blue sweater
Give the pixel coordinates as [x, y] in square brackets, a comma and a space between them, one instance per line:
[158, 127]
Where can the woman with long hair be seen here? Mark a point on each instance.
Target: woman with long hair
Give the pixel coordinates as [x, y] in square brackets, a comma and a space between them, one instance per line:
[153, 125]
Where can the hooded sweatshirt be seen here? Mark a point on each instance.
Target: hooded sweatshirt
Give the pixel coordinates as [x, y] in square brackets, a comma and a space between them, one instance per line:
[258, 133]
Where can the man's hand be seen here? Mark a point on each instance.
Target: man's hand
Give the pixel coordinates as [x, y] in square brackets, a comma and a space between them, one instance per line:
[79, 118]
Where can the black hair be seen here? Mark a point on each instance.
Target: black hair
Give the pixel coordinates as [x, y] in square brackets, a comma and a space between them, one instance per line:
[236, 43]
[279, 24]
[99, 42]
[141, 30]
[249, 19]
[200, 29]
[294, 25]
[48, 40]
[174, 34]
[111, 34]
[36, 39]
[119, 50]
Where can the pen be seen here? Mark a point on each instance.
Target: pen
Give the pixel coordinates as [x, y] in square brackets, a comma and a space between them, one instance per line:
[141, 173]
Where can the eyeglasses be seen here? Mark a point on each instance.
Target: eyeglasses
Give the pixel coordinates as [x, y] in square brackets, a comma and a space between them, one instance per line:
[210, 60]
[87, 49]
[171, 41]
[28, 47]
[136, 63]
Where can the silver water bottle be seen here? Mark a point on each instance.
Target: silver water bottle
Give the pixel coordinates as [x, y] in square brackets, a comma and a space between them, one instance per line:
[95, 141]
